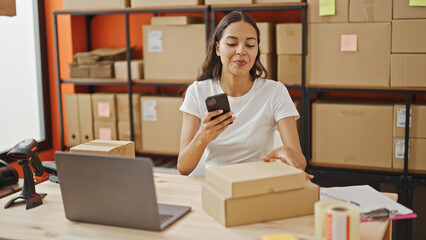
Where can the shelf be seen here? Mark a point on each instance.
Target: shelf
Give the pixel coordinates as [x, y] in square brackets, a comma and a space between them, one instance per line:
[191, 8]
[336, 88]
[95, 81]
[167, 82]
[314, 165]
[269, 6]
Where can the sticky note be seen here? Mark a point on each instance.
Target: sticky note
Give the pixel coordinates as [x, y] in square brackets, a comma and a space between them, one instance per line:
[105, 133]
[104, 109]
[149, 110]
[327, 7]
[279, 237]
[418, 3]
[348, 42]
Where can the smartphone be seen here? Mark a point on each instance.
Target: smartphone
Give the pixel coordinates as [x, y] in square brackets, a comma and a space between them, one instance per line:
[216, 102]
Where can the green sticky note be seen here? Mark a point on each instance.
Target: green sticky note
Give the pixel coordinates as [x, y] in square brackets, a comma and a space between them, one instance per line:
[327, 7]
[418, 3]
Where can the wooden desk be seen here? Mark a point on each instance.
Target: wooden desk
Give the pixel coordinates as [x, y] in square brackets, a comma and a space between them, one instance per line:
[48, 220]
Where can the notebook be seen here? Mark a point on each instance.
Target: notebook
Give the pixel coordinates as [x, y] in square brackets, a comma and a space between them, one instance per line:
[113, 191]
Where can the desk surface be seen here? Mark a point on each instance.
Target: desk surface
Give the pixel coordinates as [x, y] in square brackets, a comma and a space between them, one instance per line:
[48, 220]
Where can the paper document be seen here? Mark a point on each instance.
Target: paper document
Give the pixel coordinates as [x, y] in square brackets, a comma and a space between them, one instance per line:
[367, 197]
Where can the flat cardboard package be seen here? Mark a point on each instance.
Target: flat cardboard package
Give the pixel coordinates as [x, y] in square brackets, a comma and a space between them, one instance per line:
[173, 52]
[266, 207]
[162, 3]
[175, 20]
[8, 8]
[161, 124]
[104, 106]
[408, 70]
[289, 38]
[123, 110]
[85, 115]
[352, 134]
[269, 61]
[341, 12]
[123, 128]
[136, 69]
[213, 2]
[72, 120]
[349, 54]
[370, 11]
[417, 152]
[409, 36]
[290, 69]
[254, 178]
[102, 147]
[94, 4]
[417, 122]
[267, 37]
[105, 129]
[402, 10]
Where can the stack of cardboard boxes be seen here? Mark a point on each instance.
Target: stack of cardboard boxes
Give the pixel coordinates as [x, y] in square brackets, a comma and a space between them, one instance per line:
[105, 116]
[289, 50]
[79, 118]
[268, 56]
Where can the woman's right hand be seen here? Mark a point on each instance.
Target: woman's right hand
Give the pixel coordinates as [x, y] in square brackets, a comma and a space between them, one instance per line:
[211, 128]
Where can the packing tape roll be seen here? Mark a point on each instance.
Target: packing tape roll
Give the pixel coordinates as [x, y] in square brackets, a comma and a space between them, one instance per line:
[339, 214]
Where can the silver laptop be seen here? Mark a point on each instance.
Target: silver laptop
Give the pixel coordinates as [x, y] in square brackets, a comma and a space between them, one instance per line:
[112, 191]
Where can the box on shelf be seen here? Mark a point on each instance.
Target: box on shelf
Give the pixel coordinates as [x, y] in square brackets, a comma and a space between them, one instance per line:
[267, 37]
[417, 121]
[408, 70]
[161, 124]
[72, 120]
[101, 54]
[94, 4]
[349, 54]
[370, 11]
[159, 3]
[8, 8]
[269, 61]
[213, 2]
[289, 38]
[416, 153]
[105, 129]
[409, 36]
[102, 69]
[352, 134]
[104, 106]
[79, 71]
[173, 51]
[402, 10]
[290, 69]
[124, 133]
[136, 69]
[85, 115]
[102, 147]
[123, 110]
[341, 12]
[175, 20]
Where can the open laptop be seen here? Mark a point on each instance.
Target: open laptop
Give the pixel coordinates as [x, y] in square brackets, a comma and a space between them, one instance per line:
[112, 191]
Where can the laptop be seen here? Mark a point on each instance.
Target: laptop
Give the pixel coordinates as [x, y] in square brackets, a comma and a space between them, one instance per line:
[115, 191]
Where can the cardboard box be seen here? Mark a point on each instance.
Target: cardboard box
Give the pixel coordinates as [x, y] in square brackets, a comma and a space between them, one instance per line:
[254, 178]
[370, 11]
[349, 54]
[123, 110]
[161, 124]
[136, 69]
[159, 3]
[77, 71]
[94, 4]
[72, 120]
[267, 37]
[408, 70]
[8, 8]
[409, 36]
[175, 20]
[173, 51]
[290, 69]
[417, 121]
[105, 129]
[289, 38]
[102, 147]
[341, 15]
[402, 10]
[104, 106]
[352, 134]
[124, 133]
[275, 205]
[278, 1]
[417, 152]
[269, 61]
[85, 115]
[213, 2]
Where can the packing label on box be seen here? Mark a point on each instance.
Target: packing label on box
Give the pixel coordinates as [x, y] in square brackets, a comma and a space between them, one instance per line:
[155, 41]
[348, 42]
[400, 149]
[149, 108]
[103, 109]
[400, 122]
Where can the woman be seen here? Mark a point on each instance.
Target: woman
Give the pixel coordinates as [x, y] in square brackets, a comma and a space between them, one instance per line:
[258, 105]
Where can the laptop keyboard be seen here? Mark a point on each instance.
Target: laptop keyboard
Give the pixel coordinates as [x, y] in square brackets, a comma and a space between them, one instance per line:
[164, 217]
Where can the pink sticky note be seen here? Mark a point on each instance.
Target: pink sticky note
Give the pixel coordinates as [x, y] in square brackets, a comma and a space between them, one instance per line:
[105, 133]
[348, 42]
[104, 109]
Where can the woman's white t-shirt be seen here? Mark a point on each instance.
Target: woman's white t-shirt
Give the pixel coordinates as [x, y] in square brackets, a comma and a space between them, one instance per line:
[251, 135]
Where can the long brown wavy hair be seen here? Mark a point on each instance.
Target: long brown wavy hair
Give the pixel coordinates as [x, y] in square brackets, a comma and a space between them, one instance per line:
[212, 66]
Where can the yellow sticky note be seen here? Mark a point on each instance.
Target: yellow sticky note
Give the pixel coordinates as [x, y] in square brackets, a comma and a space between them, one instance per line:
[418, 3]
[279, 237]
[327, 7]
